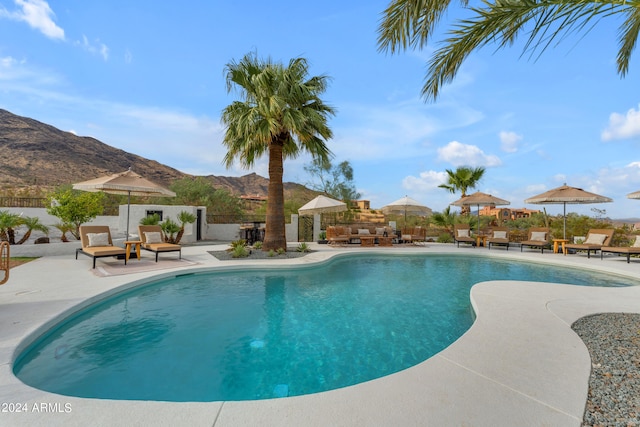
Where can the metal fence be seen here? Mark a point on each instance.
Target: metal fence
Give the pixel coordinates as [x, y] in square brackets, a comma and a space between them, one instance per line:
[23, 202]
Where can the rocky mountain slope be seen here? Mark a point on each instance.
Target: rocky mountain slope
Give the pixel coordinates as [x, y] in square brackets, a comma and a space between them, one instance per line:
[35, 154]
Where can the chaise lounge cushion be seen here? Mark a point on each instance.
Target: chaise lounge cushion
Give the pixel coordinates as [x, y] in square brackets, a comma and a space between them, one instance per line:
[499, 234]
[98, 239]
[595, 239]
[152, 237]
[539, 236]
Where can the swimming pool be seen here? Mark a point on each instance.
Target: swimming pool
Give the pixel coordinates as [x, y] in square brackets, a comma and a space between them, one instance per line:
[263, 334]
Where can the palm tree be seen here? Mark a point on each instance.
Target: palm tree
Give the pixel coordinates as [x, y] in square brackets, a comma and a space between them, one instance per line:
[411, 23]
[32, 223]
[8, 223]
[280, 114]
[462, 179]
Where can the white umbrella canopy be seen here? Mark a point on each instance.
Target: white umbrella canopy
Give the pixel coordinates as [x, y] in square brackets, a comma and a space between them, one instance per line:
[480, 199]
[126, 183]
[407, 205]
[322, 204]
[567, 195]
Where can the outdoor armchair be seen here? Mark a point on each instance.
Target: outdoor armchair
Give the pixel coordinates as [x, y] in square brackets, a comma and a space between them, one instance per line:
[153, 240]
[538, 238]
[595, 241]
[499, 236]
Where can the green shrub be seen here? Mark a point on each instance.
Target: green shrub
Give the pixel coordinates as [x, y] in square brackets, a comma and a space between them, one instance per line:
[303, 247]
[271, 253]
[240, 252]
[257, 245]
[281, 251]
[445, 238]
[236, 243]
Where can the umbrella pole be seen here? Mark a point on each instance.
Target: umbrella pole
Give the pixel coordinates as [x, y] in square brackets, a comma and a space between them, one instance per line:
[128, 208]
[478, 225]
[564, 221]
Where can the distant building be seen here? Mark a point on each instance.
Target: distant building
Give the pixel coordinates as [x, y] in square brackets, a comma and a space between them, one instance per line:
[505, 214]
[250, 200]
[360, 204]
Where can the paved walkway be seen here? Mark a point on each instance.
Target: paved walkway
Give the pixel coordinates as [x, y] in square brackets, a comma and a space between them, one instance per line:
[520, 364]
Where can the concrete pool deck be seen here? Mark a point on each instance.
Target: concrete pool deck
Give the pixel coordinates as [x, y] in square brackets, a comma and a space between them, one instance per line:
[519, 364]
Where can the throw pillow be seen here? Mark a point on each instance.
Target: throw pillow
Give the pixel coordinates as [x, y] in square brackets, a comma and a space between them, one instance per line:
[98, 239]
[538, 236]
[595, 239]
[363, 231]
[636, 244]
[380, 231]
[463, 233]
[153, 237]
[499, 234]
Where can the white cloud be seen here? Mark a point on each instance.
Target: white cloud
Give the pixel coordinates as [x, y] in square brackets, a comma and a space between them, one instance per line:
[509, 141]
[97, 48]
[38, 15]
[459, 154]
[426, 181]
[622, 126]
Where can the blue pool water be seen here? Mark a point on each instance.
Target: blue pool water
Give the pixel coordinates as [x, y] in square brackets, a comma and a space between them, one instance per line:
[265, 334]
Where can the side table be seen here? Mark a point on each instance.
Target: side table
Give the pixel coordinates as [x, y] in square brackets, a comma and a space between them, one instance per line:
[558, 242]
[127, 248]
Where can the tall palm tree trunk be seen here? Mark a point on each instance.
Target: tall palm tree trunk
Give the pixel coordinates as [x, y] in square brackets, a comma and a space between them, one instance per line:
[274, 237]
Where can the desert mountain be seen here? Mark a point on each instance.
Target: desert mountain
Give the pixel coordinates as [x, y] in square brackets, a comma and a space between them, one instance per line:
[34, 154]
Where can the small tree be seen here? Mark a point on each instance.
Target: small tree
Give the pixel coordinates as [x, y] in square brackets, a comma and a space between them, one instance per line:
[75, 207]
[185, 218]
[32, 223]
[334, 180]
[8, 223]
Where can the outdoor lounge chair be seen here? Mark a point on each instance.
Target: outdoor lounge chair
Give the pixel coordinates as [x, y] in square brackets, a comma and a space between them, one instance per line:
[462, 233]
[634, 249]
[338, 235]
[595, 241]
[153, 240]
[499, 236]
[96, 242]
[538, 238]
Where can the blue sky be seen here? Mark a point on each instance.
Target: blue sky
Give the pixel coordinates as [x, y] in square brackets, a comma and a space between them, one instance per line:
[148, 77]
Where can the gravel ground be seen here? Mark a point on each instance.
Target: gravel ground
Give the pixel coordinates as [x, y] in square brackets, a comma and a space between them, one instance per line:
[613, 340]
[260, 254]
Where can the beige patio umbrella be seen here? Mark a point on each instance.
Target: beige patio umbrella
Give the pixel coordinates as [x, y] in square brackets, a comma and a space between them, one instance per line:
[480, 199]
[322, 204]
[567, 195]
[407, 205]
[128, 183]
[634, 195]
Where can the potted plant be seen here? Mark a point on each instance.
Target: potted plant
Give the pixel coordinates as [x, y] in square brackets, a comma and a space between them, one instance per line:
[322, 237]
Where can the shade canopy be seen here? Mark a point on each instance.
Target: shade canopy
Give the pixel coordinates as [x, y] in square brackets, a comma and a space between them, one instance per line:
[322, 204]
[480, 199]
[567, 195]
[634, 195]
[407, 205]
[126, 183]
